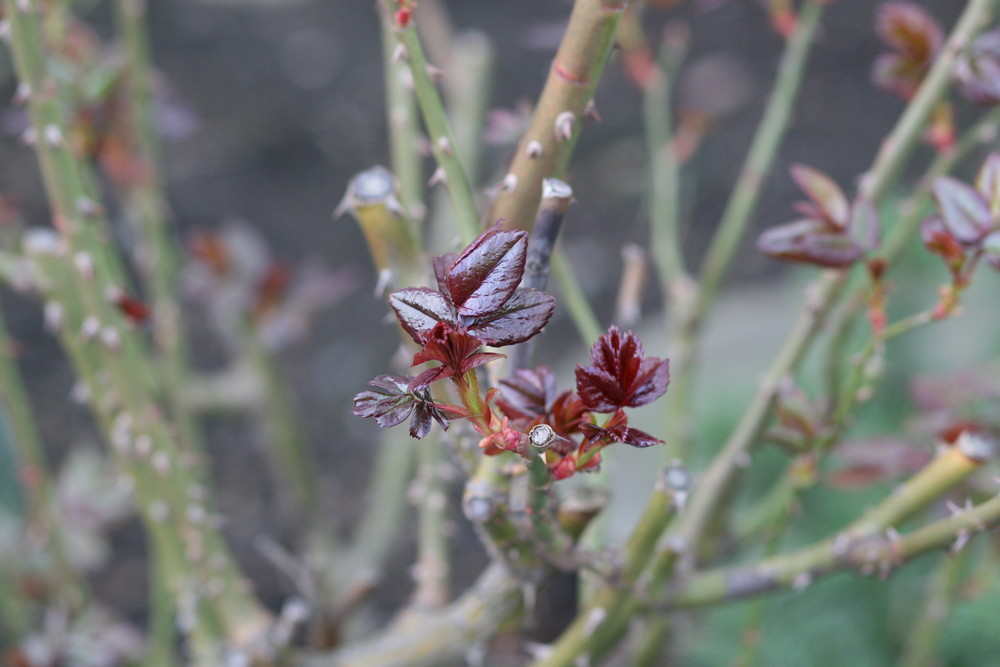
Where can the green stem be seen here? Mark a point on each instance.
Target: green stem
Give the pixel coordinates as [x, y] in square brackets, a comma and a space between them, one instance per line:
[441, 137]
[897, 147]
[433, 560]
[866, 545]
[562, 109]
[664, 170]
[749, 186]
[578, 638]
[403, 124]
[667, 247]
[574, 300]
[158, 256]
[692, 302]
[82, 271]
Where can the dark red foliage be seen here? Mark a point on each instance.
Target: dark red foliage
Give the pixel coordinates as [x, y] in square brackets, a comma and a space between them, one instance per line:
[977, 70]
[964, 211]
[457, 352]
[914, 37]
[619, 375]
[617, 430]
[810, 242]
[941, 242]
[478, 294]
[833, 233]
[391, 402]
[967, 225]
[484, 277]
[529, 393]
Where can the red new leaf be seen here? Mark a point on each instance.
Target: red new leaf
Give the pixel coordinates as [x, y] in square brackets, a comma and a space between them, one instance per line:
[827, 196]
[515, 320]
[963, 210]
[810, 242]
[487, 272]
[619, 375]
[420, 309]
[529, 393]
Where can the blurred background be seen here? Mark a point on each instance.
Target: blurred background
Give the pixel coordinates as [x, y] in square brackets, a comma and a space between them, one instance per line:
[268, 108]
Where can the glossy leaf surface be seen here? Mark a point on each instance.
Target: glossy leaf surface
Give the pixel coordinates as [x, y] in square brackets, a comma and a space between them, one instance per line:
[485, 275]
[619, 376]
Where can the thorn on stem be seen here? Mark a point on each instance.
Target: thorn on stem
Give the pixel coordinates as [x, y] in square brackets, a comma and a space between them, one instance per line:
[508, 183]
[435, 73]
[84, 265]
[564, 126]
[444, 145]
[534, 149]
[399, 54]
[961, 540]
[437, 177]
[90, 328]
[590, 113]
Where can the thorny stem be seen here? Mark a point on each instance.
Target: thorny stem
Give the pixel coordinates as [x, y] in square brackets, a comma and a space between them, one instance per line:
[394, 462]
[466, 94]
[668, 496]
[849, 395]
[562, 110]
[403, 125]
[433, 561]
[157, 256]
[723, 470]
[441, 137]
[205, 579]
[393, 244]
[869, 544]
